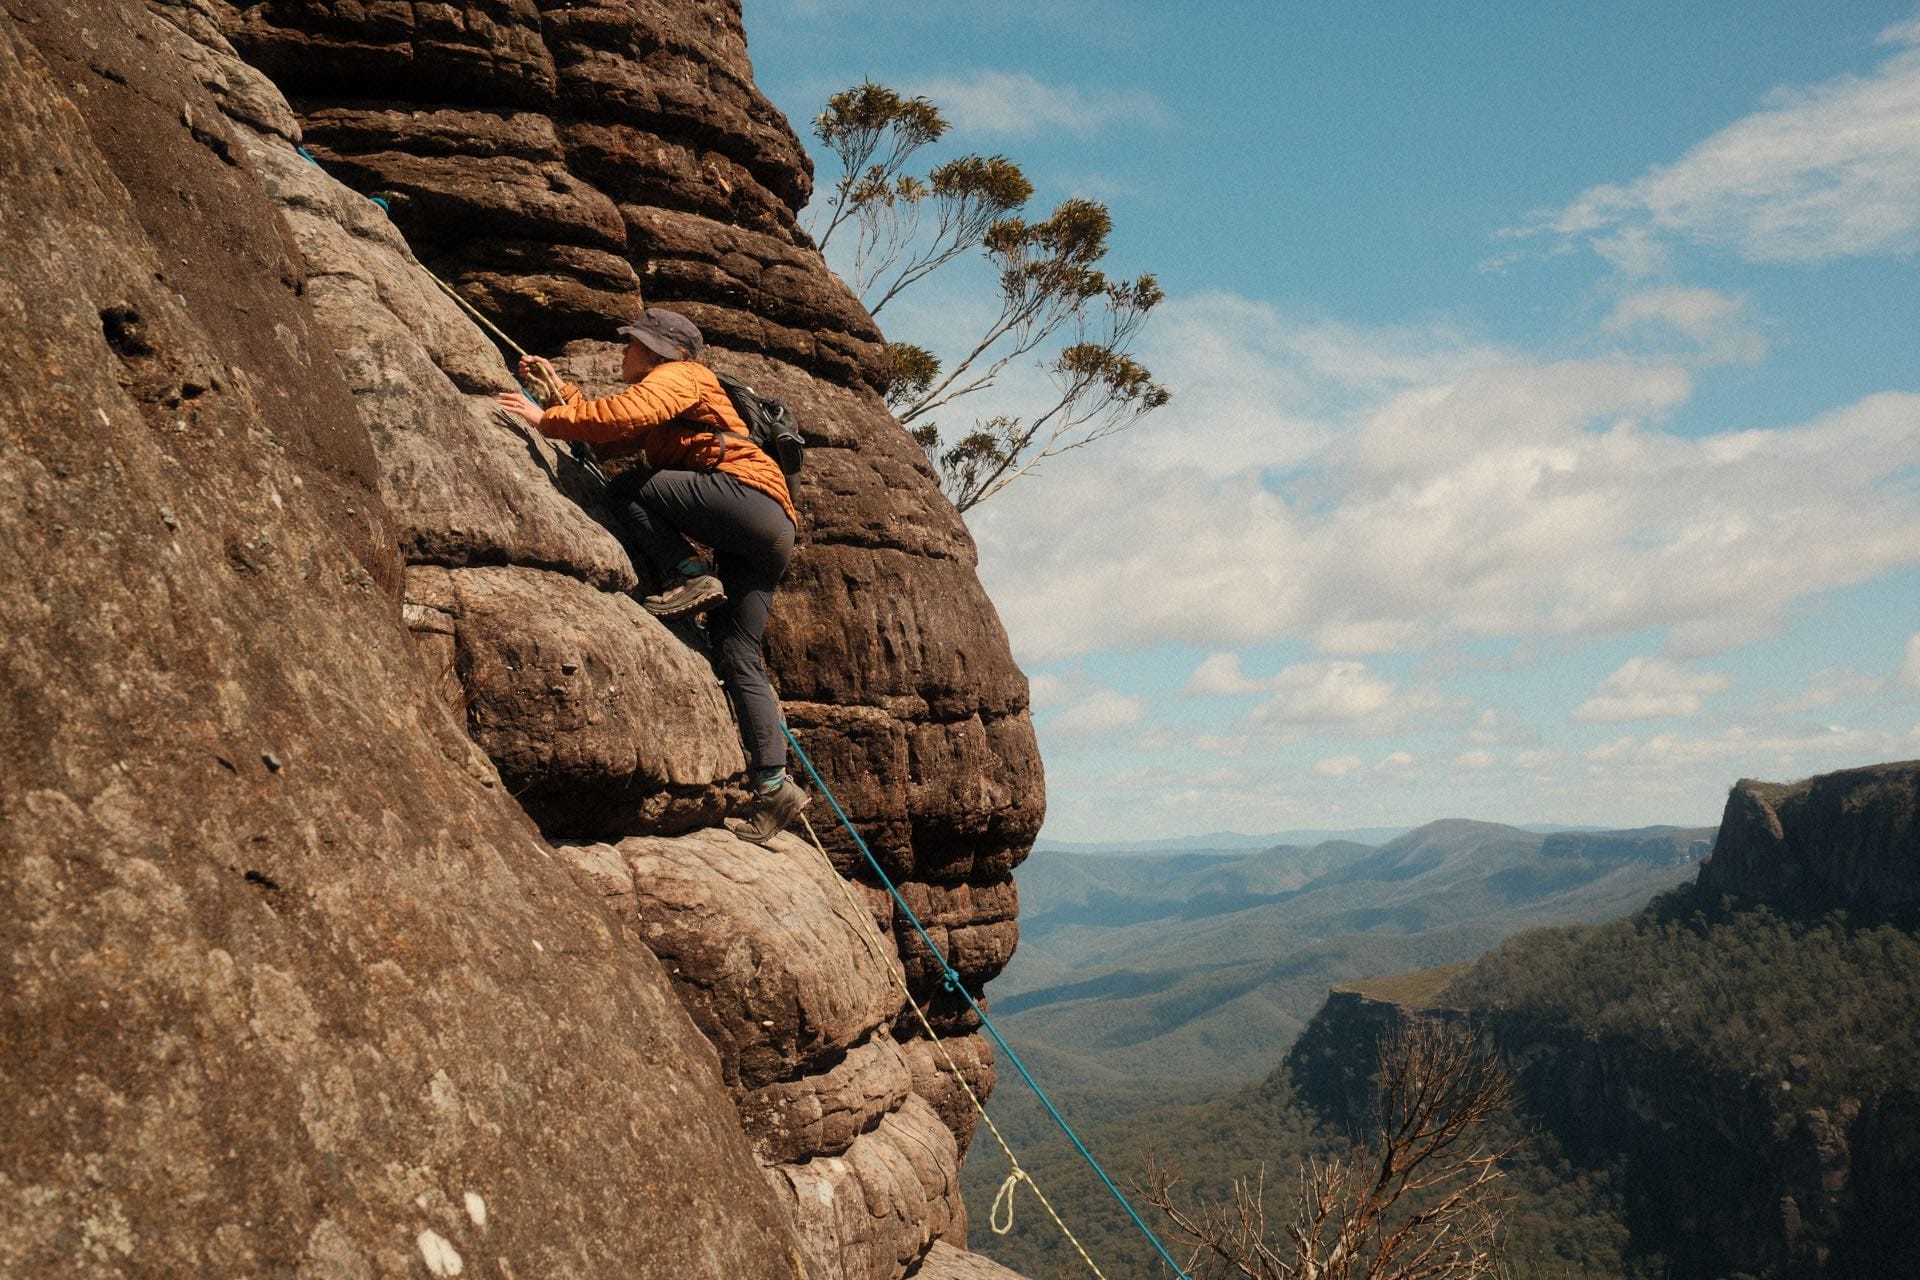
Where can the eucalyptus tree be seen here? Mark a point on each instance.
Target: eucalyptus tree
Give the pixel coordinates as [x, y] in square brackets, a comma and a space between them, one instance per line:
[1049, 282]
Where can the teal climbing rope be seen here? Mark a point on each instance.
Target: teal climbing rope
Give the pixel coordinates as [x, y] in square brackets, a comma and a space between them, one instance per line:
[951, 981]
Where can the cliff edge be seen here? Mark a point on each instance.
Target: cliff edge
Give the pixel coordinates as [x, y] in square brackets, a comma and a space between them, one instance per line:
[1849, 839]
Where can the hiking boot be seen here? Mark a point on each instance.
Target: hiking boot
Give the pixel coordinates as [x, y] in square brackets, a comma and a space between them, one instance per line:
[774, 811]
[691, 596]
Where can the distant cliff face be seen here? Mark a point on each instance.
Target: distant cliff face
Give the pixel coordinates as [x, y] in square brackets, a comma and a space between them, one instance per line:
[1766, 1159]
[367, 900]
[1849, 839]
[1660, 846]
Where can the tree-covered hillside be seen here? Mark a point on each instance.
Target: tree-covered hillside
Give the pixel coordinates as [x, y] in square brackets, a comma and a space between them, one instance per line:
[1715, 1089]
[1723, 1084]
[1196, 971]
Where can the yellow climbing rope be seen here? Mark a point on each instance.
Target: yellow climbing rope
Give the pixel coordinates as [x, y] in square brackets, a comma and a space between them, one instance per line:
[1001, 1217]
[545, 389]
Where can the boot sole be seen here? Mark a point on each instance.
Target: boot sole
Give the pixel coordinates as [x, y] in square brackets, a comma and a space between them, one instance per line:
[667, 613]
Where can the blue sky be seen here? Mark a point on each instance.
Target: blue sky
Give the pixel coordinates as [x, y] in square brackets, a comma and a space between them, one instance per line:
[1546, 434]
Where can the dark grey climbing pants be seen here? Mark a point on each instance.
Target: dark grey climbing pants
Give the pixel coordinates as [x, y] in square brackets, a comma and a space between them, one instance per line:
[752, 540]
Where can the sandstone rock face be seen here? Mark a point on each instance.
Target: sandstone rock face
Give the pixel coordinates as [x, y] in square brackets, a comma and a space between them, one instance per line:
[796, 1120]
[1847, 839]
[599, 718]
[945, 1070]
[784, 968]
[292, 986]
[786, 973]
[315, 667]
[875, 1211]
[561, 165]
[944, 1262]
[553, 162]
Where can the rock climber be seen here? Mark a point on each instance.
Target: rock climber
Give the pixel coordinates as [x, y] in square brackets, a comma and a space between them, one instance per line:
[696, 475]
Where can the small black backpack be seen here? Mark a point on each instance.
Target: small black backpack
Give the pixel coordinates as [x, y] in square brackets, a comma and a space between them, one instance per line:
[770, 424]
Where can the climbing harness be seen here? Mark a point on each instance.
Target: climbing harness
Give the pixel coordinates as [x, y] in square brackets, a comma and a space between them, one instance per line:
[950, 980]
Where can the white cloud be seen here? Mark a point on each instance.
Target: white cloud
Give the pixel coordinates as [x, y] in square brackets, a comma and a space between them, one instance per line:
[1475, 759]
[1017, 104]
[1618, 749]
[1046, 690]
[1635, 252]
[1494, 728]
[1713, 321]
[1649, 689]
[1101, 711]
[1396, 763]
[1220, 673]
[1319, 693]
[1909, 675]
[1067, 704]
[1338, 766]
[1258, 388]
[1322, 692]
[1513, 412]
[1230, 745]
[1777, 754]
[1391, 499]
[1828, 688]
[1824, 172]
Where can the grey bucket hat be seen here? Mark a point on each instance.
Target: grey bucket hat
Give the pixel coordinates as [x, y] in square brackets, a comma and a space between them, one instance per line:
[666, 333]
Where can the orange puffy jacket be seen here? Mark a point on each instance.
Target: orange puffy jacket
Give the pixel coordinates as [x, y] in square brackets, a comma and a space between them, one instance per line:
[671, 417]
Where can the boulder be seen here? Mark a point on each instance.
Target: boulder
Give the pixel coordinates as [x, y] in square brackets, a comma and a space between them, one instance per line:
[871, 1213]
[972, 925]
[601, 720]
[944, 1262]
[782, 971]
[939, 1068]
[821, 1115]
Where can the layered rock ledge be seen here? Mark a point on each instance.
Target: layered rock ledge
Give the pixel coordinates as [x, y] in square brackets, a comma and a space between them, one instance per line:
[369, 904]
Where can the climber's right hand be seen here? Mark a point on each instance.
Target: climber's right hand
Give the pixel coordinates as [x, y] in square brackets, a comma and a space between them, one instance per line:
[520, 407]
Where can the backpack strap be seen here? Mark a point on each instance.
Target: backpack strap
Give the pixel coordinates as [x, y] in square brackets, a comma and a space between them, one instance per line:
[719, 433]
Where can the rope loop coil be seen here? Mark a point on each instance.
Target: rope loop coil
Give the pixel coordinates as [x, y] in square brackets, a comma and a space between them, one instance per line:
[1003, 1199]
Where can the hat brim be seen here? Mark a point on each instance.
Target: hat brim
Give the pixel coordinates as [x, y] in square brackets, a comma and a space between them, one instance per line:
[657, 344]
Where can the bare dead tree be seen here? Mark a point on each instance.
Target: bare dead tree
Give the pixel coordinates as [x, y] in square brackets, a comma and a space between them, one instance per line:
[1419, 1199]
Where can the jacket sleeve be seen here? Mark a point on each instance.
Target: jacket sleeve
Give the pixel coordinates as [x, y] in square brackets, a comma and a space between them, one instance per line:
[625, 417]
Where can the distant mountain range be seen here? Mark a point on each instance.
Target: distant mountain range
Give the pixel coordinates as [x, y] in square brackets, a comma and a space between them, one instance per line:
[1199, 968]
[1239, 841]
